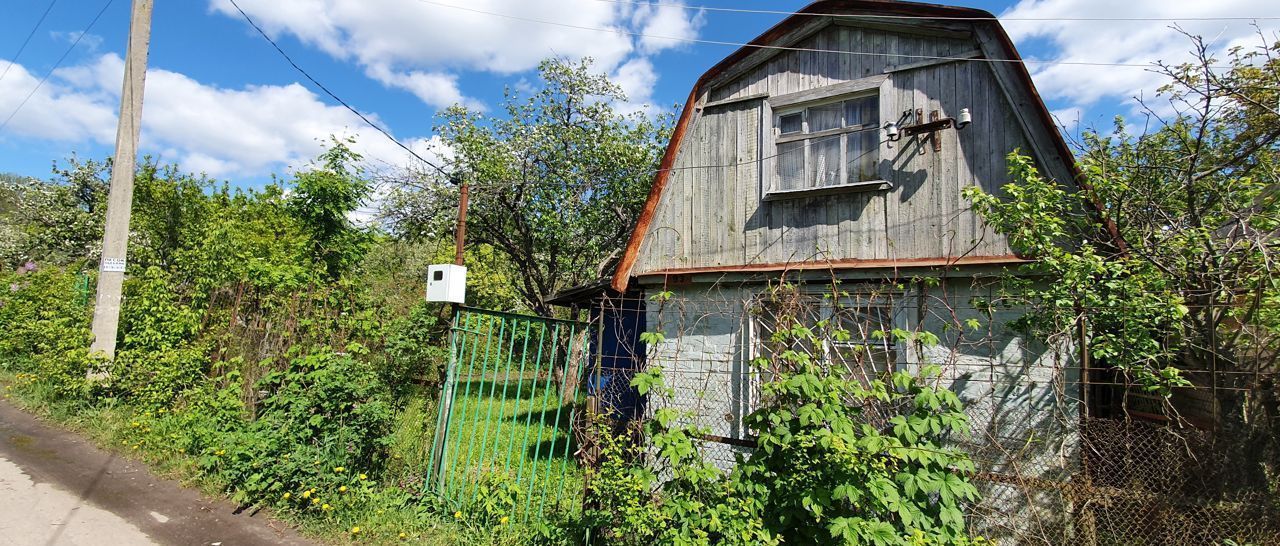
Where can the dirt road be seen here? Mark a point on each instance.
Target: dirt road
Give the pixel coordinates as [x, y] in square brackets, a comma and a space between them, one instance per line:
[56, 488]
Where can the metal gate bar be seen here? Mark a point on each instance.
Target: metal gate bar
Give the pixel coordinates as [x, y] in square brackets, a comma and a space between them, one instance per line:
[486, 347]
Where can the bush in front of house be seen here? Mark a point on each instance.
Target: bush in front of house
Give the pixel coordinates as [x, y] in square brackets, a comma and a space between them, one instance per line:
[838, 461]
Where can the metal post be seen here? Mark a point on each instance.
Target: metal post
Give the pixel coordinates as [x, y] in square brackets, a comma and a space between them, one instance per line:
[115, 239]
[445, 403]
[460, 232]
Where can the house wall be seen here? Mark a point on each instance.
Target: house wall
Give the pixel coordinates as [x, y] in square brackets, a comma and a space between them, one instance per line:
[1022, 396]
[705, 360]
[713, 213]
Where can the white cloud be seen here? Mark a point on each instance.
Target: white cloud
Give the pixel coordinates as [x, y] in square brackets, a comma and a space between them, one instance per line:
[417, 34]
[1124, 42]
[430, 34]
[416, 44]
[667, 25]
[54, 112]
[437, 89]
[636, 78]
[255, 130]
[90, 41]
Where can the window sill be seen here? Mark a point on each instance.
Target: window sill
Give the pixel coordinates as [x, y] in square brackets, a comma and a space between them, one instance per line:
[856, 187]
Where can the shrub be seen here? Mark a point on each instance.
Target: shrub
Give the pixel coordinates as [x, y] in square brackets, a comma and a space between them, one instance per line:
[827, 471]
[826, 468]
[413, 350]
[322, 420]
[158, 358]
[46, 331]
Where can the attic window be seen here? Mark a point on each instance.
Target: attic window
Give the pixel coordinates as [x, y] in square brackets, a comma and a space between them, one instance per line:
[830, 144]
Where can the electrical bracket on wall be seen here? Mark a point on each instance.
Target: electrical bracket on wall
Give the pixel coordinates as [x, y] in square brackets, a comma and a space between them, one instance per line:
[930, 129]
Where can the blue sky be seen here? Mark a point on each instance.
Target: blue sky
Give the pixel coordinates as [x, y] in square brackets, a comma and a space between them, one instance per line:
[220, 100]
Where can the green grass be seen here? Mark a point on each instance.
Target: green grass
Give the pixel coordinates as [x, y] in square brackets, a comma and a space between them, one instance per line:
[515, 430]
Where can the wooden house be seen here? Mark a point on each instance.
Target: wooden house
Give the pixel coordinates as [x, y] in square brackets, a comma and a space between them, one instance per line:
[835, 147]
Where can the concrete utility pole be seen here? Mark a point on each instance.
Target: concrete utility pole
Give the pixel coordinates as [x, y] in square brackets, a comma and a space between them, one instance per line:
[115, 239]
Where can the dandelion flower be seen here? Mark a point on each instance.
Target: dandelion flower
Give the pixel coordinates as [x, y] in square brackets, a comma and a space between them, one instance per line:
[287, 495]
[355, 530]
[338, 469]
[364, 477]
[315, 501]
[404, 535]
[503, 521]
[326, 507]
[306, 494]
[457, 515]
[342, 489]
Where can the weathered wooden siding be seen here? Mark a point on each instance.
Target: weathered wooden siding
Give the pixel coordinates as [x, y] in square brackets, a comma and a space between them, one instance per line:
[712, 213]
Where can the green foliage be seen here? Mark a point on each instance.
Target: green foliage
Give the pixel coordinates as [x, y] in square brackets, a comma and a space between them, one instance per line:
[45, 333]
[322, 420]
[413, 349]
[169, 210]
[837, 461]
[1165, 255]
[1132, 307]
[832, 474]
[556, 180]
[226, 364]
[158, 358]
[58, 221]
[323, 199]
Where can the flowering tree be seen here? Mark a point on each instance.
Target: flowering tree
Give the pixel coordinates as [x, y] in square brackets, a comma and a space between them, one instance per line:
[557, 180]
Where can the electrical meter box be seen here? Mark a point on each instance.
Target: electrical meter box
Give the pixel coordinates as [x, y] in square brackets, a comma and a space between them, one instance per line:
[447, 282]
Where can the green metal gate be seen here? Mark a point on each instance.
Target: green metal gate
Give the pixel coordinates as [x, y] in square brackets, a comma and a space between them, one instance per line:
[508, 408]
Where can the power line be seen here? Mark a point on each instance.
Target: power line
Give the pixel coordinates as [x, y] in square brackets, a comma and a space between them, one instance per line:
[788, 48]
[930, 17]
[56, 65]
[331, 93]
[22, 47]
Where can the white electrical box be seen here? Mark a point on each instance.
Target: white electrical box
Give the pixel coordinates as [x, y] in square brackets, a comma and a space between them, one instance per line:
[447, 282]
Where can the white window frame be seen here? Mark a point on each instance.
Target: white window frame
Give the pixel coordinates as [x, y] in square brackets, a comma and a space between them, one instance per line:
[777, 106]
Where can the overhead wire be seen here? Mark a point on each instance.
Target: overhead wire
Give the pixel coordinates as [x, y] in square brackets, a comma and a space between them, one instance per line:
[55, 66]
[26, 41]
[690, 7]
[728, 43]
[331, 94]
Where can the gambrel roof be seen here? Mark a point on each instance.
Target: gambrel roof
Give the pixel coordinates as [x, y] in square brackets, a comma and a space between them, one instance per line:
[996, 48]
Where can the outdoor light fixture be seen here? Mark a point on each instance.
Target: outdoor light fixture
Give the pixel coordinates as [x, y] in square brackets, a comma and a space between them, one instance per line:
[891, 131]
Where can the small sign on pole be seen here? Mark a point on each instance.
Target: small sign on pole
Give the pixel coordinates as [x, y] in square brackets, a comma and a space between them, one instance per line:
[113, 265]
